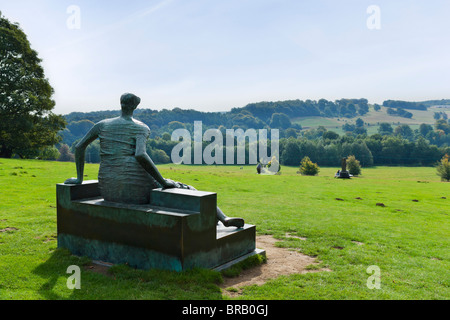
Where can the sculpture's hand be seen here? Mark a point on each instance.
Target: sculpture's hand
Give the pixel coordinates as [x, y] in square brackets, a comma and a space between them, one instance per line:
[169, 184]
[72, 181]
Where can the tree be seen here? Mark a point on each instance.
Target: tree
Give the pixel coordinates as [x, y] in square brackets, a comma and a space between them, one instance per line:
[159, 156]
[308, 168]
[353, 166]
[174, 125]
[27, 123]
[291, 132]
[166, 136]
[443, 168]
[330, 135]
[280, 120]
[291, 153]
[442, 125]
[404, 131]
[49, 153]
[348, 127]
[65, 154]
[385, 129]
[423, 153]
[424, 129]
[359, 123]
[360, 130]
[393, 150]
[80, 128]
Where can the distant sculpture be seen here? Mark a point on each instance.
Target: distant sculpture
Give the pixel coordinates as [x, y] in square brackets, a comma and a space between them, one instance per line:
[344, 164]
[127, 174]
[343, 173]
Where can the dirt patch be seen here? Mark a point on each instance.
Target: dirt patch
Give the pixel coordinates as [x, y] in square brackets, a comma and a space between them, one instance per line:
[99, 267]
[8, 229]
[280, 261]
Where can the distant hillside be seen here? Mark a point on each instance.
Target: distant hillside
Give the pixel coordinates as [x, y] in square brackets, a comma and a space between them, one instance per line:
[282, 115]
[255, 115]
[348, 108]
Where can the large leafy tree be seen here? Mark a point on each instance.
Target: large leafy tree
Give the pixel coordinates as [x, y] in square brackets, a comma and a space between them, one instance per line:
[27, 123]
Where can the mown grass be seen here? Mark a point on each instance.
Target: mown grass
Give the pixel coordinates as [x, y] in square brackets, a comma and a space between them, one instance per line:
[408, 240]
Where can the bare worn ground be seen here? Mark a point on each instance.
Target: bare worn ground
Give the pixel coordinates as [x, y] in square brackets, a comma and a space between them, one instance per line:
[280, 261]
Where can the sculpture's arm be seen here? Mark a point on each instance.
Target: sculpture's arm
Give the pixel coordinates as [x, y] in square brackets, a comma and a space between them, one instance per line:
[80, 150]
[146, 162]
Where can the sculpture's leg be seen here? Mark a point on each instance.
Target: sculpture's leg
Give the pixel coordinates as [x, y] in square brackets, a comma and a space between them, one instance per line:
[229, 222]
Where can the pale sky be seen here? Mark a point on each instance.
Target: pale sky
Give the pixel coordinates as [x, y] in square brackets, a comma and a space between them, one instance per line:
[213, 55]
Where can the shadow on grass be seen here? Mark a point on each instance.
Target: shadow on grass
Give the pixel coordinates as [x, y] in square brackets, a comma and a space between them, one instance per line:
[53, 270]
[121, 282]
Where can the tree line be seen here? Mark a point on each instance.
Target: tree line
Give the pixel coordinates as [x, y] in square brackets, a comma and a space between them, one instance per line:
[400, 146]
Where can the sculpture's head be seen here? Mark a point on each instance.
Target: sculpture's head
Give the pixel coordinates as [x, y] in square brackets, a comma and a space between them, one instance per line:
[129, 102]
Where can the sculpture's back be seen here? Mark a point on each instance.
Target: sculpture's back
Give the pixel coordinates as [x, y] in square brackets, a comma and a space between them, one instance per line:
[121, 177]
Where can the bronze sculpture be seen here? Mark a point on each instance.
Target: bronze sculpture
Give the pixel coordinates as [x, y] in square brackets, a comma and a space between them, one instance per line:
[127, 174]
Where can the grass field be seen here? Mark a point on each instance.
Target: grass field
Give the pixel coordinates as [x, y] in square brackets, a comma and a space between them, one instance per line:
[408, 240]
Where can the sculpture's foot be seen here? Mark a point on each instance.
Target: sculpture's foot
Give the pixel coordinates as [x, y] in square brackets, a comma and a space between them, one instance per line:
[234, 222]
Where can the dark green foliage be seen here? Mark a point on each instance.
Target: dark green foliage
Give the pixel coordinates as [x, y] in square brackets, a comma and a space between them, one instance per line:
[399, 112]
[405, 132]
[348, 127]
[80, 128]
[280, 120]
[330, 135]
[404, 105]
[359, 122]
[291, 153]
[385, 128]
[49, 153]
[443, 126]
[27, 123]
[291, 132]
[424, 129]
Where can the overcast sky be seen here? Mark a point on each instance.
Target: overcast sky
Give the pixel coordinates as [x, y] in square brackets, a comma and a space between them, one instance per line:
[213, 55]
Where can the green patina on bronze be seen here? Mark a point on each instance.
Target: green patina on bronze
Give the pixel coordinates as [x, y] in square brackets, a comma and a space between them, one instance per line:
[148, 236]
[127, 174]
[133, 215]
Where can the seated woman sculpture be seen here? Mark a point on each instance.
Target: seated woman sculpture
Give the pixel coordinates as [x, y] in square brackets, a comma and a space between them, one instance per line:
[127, 174]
